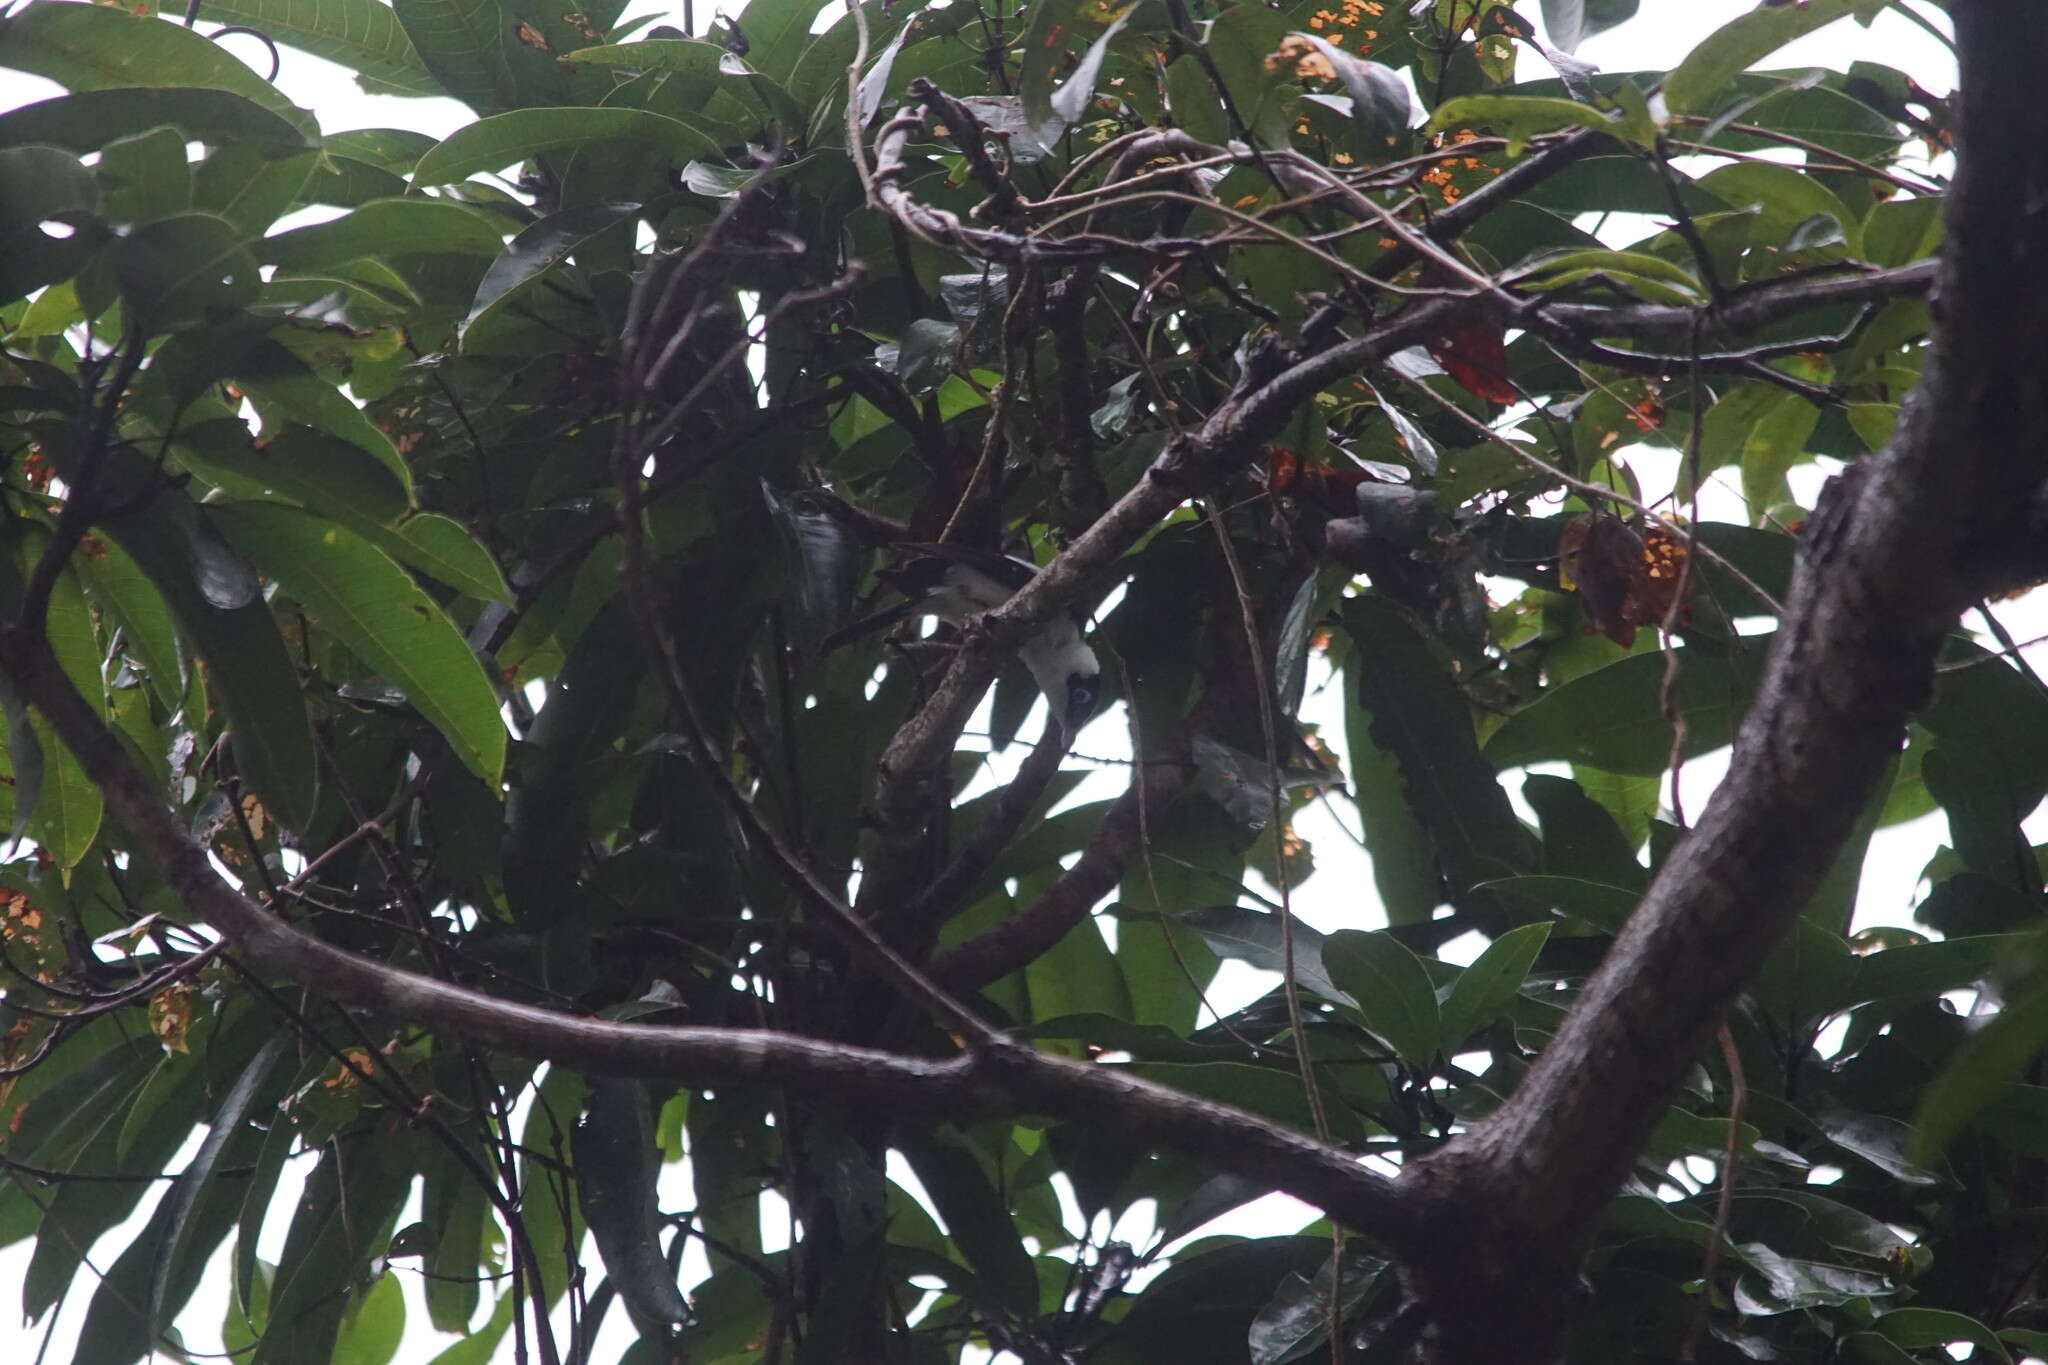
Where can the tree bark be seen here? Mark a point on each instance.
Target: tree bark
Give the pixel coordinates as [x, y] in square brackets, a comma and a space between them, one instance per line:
[1901, 544]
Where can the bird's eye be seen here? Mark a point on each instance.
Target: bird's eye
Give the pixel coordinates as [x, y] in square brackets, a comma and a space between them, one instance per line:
[1081, 696]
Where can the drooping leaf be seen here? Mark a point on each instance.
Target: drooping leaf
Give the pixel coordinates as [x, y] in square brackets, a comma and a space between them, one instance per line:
[353, 589]
[1611, 718]
[184, 270]
[537, 249]
[96, 48]
[503, 140]
[340, 1225]
[386, 226]
[1253, 936]
[1571, 22]
[1990, 1060]
[1699, 82]
[361, 35]
[1521, 117]
[1419, 716]
[1483, 989]
[1391, 989]
[617, 1165]
[91, 118]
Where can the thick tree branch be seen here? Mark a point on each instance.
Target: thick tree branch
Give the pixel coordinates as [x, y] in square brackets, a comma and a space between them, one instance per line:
[984, 1082]
[1901, 544]
[1743, 311]
[940, 900]
[1255, 411]
[1031, 932]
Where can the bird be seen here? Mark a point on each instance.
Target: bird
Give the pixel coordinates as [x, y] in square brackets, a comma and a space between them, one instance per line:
[957, 583]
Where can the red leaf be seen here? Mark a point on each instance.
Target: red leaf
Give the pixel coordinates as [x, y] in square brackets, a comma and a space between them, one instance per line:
[1475, 355]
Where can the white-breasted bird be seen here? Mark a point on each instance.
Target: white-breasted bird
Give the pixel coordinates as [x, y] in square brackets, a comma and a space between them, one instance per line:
[957, 583]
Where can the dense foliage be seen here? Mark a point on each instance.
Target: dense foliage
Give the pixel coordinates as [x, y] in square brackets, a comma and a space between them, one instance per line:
[459, 563]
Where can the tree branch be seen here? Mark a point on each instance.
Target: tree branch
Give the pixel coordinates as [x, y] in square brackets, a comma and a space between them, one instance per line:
[991, 1080]
[1743, 310]
[1899, 547]
[1031, 932]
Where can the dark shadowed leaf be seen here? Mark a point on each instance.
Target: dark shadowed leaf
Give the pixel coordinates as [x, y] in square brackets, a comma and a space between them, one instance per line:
[617, 1165]
[1392, 991]
[1253, 936]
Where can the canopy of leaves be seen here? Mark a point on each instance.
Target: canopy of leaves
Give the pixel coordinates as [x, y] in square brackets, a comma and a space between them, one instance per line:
[461, 536]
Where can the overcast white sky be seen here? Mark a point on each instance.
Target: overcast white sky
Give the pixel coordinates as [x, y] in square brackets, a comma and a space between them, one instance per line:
[1658, 38]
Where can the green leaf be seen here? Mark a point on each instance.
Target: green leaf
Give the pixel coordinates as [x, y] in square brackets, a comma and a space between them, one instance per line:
[443, 548]
[777, 32]
[1077, 975]
[387, 227]
[1491, 983]
[156, 1274]
[1291, 647]
[327, 474]
[503, 140]
[282, 385]
[1649, 277]
[1920, 971]
[1420, 716]
[1521, 117]
[1046, 38]
[1392, 990]
[1403, 862]
[1979, 1071]
[1611, 718]
[361, 35]
[1297, 1318]
[245, 184]
[1069, 104]
[976, 1215]
[339, 479]
[67, 809]
[1571, 22]
[149, 634]
[250, 674]
[42, 183]
[687, 56]
[465, 44]
[1808, 967]
[1919, 1329]
[452, 1206]
[135, 1131]
[1579, 837]
[341, 1224]
[1604, 905]
[374, 1326]
[353, 589]
[1882, 1141]
[1253, 936]
[185, 269]
[88, 120]
[538, 249]
[1700, 82]
[617, 1168]
[479, 1347]
[98, 47]
[1203, 1308]
[181, 1233]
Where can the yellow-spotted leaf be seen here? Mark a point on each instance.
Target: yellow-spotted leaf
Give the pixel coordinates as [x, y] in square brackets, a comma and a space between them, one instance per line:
[353, 589]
